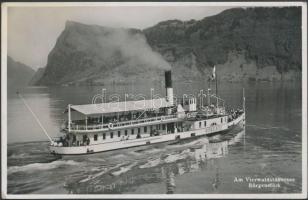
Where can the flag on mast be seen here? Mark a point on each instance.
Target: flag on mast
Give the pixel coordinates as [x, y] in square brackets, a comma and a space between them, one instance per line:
[214, 73]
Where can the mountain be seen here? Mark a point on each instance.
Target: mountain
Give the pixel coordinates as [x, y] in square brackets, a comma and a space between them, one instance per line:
[244, 44]
[18, 74]
[90, 54]
[37, 76]
[251, 43]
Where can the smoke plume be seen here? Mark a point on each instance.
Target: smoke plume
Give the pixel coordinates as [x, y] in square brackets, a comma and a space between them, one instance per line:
[133, 47]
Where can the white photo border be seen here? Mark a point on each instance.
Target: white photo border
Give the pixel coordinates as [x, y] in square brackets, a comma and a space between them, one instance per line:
[4, 8]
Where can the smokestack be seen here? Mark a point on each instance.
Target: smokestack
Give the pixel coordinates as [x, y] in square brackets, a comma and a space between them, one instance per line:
[168, 80]
[168, 85]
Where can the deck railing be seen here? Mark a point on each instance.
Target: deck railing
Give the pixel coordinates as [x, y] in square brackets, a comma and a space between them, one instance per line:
[77, 127]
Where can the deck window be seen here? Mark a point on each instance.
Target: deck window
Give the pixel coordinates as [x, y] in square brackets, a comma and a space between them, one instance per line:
[145, 129]
[221, 120]
[164, 127]
[104, 136]
[111, 135]
[119, 133]
[132, 131]
[125, 132]
[138, 130]
[95, 137]
[199, 124]
[204, 123]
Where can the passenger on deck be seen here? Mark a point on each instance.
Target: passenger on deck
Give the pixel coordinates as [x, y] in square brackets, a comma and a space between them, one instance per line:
[61, 142]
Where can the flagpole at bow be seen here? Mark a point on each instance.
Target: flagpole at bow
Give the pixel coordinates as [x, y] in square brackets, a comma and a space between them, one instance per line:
[34, 115]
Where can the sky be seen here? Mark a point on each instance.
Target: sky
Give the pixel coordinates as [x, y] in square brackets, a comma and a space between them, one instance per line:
[33, 31]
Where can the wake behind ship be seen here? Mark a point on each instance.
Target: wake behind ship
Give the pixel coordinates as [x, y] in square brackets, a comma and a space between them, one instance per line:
[109, 126]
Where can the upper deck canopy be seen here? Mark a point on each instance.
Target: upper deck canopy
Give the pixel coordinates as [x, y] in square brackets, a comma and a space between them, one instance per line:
[125, 106]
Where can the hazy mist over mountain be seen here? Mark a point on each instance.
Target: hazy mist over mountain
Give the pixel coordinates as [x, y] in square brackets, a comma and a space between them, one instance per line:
[244, 44]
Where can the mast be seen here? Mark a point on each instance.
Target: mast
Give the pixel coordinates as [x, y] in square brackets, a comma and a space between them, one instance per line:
[208, 97]
[216, 90]
[244, 119]
[216, 84]
[208, 92]
[244, 100]
[69, 118]
[244, 114]
[103, 97]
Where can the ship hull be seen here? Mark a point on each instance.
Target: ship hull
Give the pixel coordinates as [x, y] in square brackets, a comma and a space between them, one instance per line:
[109, 146]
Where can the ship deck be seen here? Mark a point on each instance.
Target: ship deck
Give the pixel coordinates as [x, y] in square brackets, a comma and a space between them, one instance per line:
[84, 128]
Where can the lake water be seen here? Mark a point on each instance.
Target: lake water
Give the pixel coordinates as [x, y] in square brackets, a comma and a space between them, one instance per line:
[270, 146]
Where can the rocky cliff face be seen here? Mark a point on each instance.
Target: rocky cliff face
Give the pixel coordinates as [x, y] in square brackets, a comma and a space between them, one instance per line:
[37, 76]
[89, 54]
[244, 44]
[249, 44]
[18, 74]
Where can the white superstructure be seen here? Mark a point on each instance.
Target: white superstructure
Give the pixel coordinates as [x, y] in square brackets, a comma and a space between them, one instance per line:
[108, 126]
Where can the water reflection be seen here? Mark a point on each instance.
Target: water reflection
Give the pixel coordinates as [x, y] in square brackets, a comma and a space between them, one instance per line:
[170, 182]
[199, 160]
[163, 169]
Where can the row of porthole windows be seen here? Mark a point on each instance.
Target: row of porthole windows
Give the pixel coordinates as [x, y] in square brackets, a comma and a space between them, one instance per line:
[119, 133]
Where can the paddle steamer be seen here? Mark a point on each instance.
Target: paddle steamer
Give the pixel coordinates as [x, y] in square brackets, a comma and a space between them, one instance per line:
[109, 126]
